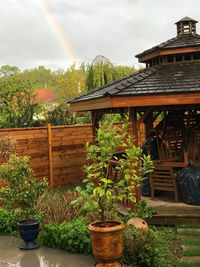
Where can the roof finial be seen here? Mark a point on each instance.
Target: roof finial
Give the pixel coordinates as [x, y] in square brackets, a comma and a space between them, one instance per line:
[186, 26]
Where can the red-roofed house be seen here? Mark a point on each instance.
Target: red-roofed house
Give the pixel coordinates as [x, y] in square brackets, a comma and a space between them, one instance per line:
[46, 95]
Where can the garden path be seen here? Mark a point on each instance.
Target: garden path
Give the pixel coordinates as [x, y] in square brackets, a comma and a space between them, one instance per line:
[190, 242]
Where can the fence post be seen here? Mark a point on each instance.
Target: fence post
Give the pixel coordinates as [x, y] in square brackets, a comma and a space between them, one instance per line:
[50, 156]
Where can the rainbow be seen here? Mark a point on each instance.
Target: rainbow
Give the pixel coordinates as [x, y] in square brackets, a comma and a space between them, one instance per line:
[58, 31]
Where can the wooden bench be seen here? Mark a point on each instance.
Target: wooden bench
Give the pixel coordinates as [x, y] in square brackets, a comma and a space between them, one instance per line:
[162, 179]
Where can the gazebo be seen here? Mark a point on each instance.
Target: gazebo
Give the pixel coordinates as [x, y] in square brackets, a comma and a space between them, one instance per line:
[168, 87]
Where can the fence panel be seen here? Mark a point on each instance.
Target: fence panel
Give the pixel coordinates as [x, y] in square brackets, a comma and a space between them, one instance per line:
[57, 152]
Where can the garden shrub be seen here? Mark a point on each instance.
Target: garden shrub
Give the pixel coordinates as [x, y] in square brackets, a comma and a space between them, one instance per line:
[8, 222]
[56, 208]
[153, 248]
[72, 236]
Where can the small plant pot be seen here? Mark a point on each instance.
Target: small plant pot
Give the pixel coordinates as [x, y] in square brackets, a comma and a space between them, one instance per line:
[107, 245]
[28, 233]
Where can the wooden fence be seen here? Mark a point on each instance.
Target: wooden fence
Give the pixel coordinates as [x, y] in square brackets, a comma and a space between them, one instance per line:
[56, 152]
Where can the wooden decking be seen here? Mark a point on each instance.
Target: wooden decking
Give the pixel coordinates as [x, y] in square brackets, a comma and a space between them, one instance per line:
[167, 212]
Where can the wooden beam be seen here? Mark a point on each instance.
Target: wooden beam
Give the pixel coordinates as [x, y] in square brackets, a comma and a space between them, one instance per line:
[168, 52]
[137, 101]
[156, 100]
[142, 118]
[93, 104]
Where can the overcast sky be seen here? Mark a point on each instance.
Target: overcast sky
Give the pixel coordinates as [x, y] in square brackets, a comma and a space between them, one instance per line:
[54, 33]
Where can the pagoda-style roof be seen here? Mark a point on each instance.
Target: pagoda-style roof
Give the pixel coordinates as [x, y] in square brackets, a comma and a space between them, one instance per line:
[160, 79]
[171, 77]
[186, 19]
[180, 41]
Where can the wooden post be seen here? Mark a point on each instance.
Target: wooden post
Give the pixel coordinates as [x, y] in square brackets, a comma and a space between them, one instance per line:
[96, 117]
[94, 125]
[50, 156]
[186, 158]
[133, 120]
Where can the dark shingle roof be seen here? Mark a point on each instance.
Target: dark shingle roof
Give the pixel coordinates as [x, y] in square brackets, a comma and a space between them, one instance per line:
[182, 40]
[161, 79]
[186, 19]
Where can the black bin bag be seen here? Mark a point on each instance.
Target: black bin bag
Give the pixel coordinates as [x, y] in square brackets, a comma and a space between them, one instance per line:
[189, 184]
[146, 187]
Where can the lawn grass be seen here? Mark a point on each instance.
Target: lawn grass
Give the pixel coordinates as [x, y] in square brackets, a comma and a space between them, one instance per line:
[190, 242]
[191, 252]
[194, 234]
[189, 225]
[183, 264]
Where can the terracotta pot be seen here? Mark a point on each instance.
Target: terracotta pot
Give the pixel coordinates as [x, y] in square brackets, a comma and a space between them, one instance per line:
[107, 245]
[138, 223]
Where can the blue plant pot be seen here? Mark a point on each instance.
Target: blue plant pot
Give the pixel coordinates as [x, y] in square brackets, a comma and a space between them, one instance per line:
[28, 233]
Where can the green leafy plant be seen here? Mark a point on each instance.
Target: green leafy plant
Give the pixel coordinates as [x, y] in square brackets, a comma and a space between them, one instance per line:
[8, 222]
[23, 188]
[72, 236]
[141, 210]
[153, 248]
[102, 194]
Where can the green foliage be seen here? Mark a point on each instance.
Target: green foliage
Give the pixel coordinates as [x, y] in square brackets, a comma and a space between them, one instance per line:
[23, 189]
[60, 115]
[7, 71]
[17, 103]
[73, 236]
[141, 210]
[70, 83]
[102, 71]
[99, 197]
[40, 77]
[86, 119]
[149, 249]
[112, 118]
[8, 222]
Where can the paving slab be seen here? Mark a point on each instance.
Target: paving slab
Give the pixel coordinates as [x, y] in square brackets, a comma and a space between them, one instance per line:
[12, 256]
[188, 237]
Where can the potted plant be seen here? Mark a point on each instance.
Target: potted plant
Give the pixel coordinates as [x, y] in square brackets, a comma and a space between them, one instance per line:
[102, 194]
[22, 192]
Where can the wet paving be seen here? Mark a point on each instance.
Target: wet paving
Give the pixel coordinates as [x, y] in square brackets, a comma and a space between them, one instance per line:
[12, 256]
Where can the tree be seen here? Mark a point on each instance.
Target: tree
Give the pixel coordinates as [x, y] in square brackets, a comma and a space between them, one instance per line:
[60, 115]
[8, 70]
[70, 84]
[40, 77]
[102, 71]
[17, 103]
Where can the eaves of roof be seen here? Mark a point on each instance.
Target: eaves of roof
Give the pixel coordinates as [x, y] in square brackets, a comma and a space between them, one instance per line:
[180, 41]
